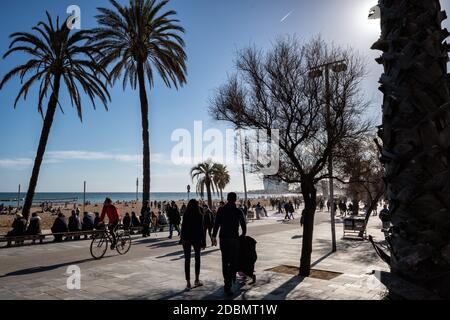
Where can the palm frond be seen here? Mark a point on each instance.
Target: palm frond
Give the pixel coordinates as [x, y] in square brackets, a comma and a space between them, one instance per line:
[57, 53]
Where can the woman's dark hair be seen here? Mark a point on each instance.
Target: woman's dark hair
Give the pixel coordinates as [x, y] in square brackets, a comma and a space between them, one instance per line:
[192, 207]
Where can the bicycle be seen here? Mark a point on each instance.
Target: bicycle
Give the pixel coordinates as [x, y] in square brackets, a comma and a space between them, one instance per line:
[100, 242]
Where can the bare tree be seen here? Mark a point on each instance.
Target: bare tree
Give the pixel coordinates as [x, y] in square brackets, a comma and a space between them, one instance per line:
[360, 171]
[274, 90]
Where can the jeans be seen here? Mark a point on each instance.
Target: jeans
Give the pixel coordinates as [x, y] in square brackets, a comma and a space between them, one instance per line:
[230, 257]
[173, 226]
[187, 247]
[111, 228]
[145, 230]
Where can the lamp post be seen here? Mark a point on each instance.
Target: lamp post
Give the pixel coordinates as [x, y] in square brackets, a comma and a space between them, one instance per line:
[84, 197]
[243, 166]
[335, 66]
[18, 199]
[137, 190]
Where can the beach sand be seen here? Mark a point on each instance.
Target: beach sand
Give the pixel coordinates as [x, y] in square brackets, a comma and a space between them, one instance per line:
[123, 207]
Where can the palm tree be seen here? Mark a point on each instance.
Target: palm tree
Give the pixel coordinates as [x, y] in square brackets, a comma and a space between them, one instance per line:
[56, 56]
[138, 41]
[416, 140]
[204, 173]
[221, 177]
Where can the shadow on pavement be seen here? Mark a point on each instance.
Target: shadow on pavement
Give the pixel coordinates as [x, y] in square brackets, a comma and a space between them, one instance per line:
[47, 268]
[283, 291]
[204, 253]
[315, 263]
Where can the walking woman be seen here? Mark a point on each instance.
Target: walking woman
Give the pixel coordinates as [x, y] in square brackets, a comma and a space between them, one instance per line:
[192, 235]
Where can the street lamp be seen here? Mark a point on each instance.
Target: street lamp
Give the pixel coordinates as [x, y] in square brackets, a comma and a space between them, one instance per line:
[375, 13]
[336, 67]
[243, 166]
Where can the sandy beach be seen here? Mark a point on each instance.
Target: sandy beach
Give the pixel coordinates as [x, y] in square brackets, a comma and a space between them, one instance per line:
[123, 207]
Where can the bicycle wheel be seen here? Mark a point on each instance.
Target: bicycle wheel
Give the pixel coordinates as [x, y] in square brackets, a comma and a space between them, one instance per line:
[99, 245]
[123, 244]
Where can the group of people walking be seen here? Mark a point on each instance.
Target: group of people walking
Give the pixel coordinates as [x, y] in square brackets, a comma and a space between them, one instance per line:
[197, 222]
[226, 225]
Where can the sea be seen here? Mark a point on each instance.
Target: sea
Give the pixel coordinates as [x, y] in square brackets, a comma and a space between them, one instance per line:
[10, 199]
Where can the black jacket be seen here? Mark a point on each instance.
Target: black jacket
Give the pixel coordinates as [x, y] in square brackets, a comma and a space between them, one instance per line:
[228, 219]
[126, 222]
[34, 228]
[60, 225]
[74, 224]
[88, 223]
[19, 227]
[192, 229]
[208, 220]
[174, 216]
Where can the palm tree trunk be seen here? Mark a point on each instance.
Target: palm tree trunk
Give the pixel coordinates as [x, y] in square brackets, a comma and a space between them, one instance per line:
[309, 193]
[208, 191]
[145, 132]
[48, 120]
[221, 194]
[416, 140]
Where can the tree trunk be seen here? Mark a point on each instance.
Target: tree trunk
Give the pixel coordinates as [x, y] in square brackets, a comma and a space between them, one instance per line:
[145, 133]
[48, 120]
[416, 140]
[221, 194]
[208, 191]
[372, 204]
[309, 193]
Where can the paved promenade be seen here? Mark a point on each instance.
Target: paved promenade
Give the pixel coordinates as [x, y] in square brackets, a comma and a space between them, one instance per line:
[153, 269]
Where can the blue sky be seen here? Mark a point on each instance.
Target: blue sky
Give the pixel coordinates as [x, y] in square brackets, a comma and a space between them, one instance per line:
[105, 149]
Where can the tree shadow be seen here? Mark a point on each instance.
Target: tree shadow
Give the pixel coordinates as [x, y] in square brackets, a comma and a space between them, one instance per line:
[180, 254]
[315, 263]
[283, 291]
[166, 244]
[204, 253]
[361, 251]
[40, 269]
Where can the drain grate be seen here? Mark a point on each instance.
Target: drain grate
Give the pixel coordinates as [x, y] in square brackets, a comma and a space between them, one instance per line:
[315, 273]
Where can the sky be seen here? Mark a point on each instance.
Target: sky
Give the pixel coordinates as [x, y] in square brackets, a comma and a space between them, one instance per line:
[105, 149]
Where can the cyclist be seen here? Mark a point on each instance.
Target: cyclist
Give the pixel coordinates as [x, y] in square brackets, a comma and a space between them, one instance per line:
[113, 216]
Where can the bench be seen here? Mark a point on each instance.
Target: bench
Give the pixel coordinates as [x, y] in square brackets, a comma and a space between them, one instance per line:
[20, 240]
[76, 235]
[353, 227]
[136, 230]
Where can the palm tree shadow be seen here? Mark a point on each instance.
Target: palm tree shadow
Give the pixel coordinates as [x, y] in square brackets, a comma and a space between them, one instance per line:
[158, 244]
[204, 253]
[283, 291]
[315, 263]
[40, 269]
[172, 254]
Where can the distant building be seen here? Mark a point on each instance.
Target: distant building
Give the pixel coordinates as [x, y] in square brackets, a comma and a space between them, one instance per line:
[273, 185]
